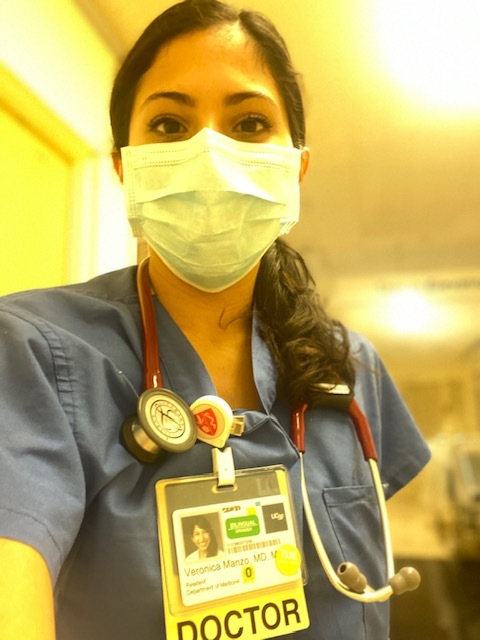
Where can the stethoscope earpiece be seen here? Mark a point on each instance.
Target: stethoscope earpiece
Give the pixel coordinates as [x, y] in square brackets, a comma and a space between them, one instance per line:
[407, 579]
[351, 577]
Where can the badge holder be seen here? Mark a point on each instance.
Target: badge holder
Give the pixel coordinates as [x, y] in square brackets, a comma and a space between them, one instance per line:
[230, 554]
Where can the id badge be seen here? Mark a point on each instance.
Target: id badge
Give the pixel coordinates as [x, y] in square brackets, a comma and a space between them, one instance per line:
[230, 557]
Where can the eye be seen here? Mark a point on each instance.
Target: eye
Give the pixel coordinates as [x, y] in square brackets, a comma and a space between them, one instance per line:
[253, 123]
[167, 126]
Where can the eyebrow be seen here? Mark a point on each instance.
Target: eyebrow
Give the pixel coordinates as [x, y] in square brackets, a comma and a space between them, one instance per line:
[176, 96]
[236, 98]
[229, 101]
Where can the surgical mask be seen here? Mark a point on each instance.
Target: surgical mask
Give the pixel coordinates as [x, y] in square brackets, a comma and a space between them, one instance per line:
[211, 206]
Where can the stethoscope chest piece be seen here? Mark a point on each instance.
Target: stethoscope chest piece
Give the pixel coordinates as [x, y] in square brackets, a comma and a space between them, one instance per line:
[163, 422]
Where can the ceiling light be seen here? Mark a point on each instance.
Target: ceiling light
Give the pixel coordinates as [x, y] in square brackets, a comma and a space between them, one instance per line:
[409, 312]
[432, 49]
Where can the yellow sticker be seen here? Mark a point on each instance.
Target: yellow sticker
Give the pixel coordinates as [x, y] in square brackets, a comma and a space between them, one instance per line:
[248, 573]
[288, 559]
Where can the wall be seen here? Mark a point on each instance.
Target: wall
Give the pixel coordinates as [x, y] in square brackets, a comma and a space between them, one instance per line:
[60, 61]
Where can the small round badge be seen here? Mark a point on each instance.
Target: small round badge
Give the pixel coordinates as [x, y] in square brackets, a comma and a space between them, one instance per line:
[288, 559]
[167, 420]
[214, 419]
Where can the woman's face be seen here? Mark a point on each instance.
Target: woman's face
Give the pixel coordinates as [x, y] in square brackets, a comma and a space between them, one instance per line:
[201, 538]
[213, 78]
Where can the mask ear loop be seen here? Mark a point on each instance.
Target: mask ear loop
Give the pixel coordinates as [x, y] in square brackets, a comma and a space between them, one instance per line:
[348, 580]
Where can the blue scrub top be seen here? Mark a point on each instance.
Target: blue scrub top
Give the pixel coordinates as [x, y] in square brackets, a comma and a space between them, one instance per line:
[72, 369]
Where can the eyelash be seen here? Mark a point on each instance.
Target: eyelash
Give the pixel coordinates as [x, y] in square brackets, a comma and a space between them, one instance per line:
[155, 123]
[256, 118]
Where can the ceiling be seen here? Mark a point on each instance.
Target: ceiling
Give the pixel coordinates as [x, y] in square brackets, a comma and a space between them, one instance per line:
[392, 197]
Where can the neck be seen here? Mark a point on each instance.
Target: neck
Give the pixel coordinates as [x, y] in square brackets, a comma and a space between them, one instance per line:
[193, 309]
[218, 326]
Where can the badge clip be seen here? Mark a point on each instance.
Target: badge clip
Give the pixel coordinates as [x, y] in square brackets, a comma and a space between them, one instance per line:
[238, 426]
[223, 467]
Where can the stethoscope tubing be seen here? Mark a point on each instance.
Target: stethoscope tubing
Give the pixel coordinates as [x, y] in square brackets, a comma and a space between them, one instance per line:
[369, 594]
[367, 444]
[152, 376]
[153, 380]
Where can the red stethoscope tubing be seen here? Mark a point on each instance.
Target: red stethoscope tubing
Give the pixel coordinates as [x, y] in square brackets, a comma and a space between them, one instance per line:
[358, 418]
[152, 376]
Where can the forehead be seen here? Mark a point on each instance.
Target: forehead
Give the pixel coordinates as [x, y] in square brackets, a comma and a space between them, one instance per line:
[211, 57]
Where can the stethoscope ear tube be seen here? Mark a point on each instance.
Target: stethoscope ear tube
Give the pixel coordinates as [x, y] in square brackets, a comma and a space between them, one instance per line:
[348, 579]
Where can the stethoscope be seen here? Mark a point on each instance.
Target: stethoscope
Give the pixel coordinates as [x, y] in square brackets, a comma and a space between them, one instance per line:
[348, 579]
[165, 422]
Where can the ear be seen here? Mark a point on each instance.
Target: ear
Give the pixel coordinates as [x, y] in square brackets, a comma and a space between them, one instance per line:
[304, 161]
[117, 164]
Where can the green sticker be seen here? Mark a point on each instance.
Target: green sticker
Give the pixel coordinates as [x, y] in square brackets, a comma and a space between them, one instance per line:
[242, 527]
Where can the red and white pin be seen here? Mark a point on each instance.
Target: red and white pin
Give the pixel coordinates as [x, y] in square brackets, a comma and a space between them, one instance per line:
[214, 419]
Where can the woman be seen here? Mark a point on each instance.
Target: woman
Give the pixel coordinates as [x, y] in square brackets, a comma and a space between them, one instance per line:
[203, 538]
[237, 319]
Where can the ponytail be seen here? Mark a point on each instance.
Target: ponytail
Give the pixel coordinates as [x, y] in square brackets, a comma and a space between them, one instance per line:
[307, 346]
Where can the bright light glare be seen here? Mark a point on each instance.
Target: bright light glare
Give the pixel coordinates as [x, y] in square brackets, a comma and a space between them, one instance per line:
[409, 312]
[432, 48]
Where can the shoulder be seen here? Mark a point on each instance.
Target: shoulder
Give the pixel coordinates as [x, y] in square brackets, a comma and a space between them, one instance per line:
[192, 556]
[401, 447]
[111, 288]
[69, 332]
[373, 380]
[362, 350]
[73, 308]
